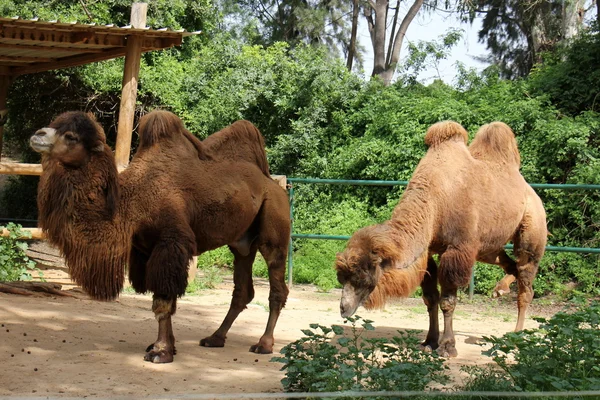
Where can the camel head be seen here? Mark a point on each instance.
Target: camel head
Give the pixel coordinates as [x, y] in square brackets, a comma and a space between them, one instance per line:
[368, 255]
[70, 139]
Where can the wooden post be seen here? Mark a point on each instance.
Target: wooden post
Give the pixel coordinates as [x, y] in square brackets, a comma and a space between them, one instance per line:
[130, 86]
[4, 84]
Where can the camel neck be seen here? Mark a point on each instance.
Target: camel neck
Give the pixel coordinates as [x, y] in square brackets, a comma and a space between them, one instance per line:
[412, 224]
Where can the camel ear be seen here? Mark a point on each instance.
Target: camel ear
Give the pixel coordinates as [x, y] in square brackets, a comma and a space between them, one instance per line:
[99, 147]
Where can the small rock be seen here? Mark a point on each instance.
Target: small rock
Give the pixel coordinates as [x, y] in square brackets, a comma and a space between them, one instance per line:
[35, 369]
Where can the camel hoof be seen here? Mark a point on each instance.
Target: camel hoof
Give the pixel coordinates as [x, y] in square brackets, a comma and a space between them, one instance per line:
[159, 357]
[499, 292]
[260, 349]
[447, 351]
[212, 341]
[149, 349]
[426, 348]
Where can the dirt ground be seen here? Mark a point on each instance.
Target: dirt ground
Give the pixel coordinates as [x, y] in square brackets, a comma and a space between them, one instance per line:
[59, 346]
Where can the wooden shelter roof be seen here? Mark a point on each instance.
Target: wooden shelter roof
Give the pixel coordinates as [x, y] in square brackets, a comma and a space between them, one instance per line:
[32, 45]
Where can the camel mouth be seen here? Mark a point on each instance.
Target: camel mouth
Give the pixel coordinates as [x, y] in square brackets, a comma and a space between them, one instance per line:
[351, 300]
[43, 140]
[38, 145]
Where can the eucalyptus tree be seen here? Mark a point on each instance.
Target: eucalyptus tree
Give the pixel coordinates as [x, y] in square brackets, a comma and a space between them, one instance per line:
[517, 32]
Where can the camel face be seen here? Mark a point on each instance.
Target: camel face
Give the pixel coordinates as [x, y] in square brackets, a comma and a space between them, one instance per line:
[69, 143]
[358, 273]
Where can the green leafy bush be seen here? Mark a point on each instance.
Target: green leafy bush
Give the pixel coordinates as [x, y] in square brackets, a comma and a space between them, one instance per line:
[563, 354]
[354, 362]
[14, 263]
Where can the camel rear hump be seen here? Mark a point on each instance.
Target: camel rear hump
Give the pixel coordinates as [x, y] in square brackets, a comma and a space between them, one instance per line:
[496, 142]
[445, 131]
[240, 141]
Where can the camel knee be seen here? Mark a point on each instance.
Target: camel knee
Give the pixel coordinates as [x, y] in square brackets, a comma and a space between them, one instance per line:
[163, 307]
[448, 303]
[455, 267]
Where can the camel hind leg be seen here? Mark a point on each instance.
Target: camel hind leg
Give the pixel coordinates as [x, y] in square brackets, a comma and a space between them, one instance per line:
[243, 293]
[508, 265]
[530, 244]
[274, 236]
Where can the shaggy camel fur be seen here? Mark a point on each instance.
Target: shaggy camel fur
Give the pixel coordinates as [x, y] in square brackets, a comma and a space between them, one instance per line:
[179, 197]
[462, 203]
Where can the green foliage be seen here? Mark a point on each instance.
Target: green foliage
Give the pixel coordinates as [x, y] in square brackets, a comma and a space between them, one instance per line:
[486, 276]
[315, 363]
[314, 259]
[563, 354]
[14, 263]
[569, 77]
[207, 278]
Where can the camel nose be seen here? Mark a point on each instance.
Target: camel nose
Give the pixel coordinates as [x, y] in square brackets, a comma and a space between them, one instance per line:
[40, 132]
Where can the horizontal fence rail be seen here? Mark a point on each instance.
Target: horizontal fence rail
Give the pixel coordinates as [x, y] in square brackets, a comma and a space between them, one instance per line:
[291, 181]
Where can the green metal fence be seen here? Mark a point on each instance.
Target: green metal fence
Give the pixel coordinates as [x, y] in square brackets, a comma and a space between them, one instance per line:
[291, 193]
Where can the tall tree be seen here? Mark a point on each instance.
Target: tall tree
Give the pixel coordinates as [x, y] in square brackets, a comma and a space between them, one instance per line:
[352, 46]
[517, 32]
[318, 22]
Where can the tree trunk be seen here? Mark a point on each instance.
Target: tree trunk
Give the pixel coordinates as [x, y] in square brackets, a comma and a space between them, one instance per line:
[352, 49]
[390, 68]
[571, 18]
[381, 7]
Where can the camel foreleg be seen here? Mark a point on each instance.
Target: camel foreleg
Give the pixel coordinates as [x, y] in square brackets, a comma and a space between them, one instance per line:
[163, 350]
[455, 270]
[431, 298]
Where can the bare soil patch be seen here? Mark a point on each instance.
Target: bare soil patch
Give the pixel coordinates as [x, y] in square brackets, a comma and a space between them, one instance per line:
[61, 346]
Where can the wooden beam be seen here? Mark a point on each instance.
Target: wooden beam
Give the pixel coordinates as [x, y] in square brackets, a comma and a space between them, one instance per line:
[4, 85]
[57, 48]
[36, 234]
[68, 62]
[20, 169]
[130, 85]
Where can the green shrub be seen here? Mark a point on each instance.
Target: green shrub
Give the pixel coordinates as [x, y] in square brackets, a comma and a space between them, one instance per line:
[14, 263]
[315, 363]
[563, 354]
[207, 278]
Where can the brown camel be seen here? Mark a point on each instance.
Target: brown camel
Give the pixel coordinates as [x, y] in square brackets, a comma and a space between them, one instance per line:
[178, 198]
[462, 203]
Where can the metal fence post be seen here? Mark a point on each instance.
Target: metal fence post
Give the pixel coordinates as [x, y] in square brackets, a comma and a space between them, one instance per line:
[291, 247]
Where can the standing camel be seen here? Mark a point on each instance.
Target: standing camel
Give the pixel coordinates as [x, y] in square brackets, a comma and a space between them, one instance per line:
[178, 198]
[462, 203]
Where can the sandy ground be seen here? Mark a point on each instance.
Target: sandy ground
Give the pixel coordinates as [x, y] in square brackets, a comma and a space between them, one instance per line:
[58, 346]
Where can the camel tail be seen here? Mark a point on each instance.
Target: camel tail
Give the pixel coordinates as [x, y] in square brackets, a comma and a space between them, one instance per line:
[496, 142]
[444, 131]
[397, 283]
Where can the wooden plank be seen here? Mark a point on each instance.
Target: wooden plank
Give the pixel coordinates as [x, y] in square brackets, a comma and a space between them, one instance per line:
[281, 180]
[130, 85]
[20, 169]
[36, 234]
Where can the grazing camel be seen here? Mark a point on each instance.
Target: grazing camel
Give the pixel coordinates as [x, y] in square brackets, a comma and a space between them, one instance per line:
[462, 203]
[178, 198]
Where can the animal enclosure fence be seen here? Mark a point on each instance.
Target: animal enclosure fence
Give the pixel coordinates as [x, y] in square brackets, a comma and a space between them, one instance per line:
[291, 194]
